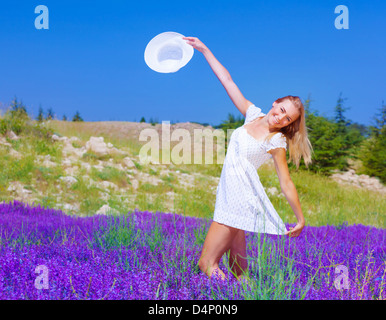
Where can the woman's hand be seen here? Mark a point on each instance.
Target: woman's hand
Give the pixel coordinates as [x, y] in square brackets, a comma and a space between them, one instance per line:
[295, 232]
[196, 43]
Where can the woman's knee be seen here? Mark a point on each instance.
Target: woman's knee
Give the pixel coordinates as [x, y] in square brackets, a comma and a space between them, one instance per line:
[202, 264]
[218, 241]
[206, 265]
[208, 258]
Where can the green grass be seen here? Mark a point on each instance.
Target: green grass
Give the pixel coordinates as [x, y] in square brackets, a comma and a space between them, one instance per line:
[170, 179]
[196, 200]
[153, 172]
[12, 169]
[43, 147]
[111, 174]
[324, 201]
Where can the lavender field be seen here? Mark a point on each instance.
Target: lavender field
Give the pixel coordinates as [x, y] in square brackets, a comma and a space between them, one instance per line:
[46, 254]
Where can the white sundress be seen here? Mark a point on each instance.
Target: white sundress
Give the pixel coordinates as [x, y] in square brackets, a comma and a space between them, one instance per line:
[241, 201]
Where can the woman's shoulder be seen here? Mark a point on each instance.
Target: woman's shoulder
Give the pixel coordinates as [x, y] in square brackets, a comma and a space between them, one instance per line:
[279, 136]
[252, 113]
[252, 108]
[278, 140]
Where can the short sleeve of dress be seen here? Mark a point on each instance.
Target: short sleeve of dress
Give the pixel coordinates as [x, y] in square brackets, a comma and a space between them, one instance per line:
[277, 141]
[252, 113]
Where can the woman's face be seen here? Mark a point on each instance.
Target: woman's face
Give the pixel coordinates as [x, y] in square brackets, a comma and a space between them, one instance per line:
[282, 114]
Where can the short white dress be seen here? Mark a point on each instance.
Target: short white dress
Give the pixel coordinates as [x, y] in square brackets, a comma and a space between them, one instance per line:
[241, 201]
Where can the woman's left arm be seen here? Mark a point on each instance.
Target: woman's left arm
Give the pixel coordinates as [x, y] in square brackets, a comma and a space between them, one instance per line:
[288, 188]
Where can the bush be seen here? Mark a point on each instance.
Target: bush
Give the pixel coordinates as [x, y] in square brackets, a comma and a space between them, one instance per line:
[15, 118]
[373, 151]
[12, 122]
[3, 126]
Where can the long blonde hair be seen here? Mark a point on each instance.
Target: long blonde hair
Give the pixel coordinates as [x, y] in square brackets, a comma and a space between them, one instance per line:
[296, 133]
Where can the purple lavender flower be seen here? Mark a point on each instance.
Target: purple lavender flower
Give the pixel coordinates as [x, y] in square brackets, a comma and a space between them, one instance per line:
[144, 255]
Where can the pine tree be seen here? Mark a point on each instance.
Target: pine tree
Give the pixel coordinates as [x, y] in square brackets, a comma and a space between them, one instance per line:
[77, 117]
[340, 119]
[50, 114]
[64, 118]
[327, 145]
[153, 121]
[307, 105]
[17, 117]
[373, 152]
[18, 109]
[40, 116]
[346, 136]
[326, 141]
[142, 119]
[380, 121]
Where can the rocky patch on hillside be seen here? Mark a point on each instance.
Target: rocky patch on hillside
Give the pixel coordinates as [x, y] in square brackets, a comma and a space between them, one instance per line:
[361, 181]
[73, 160]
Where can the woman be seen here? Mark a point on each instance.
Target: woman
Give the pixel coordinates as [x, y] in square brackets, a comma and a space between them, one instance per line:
[241, 202]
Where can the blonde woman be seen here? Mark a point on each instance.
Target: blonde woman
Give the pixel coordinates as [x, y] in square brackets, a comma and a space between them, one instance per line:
[241, 202]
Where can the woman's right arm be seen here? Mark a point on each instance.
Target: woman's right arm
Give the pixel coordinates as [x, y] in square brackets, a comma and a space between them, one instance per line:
[222, 74]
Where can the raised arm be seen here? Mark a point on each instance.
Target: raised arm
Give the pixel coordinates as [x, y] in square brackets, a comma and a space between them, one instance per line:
[222, 74]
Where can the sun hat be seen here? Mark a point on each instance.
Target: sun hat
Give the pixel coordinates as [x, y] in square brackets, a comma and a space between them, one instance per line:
[168, 52]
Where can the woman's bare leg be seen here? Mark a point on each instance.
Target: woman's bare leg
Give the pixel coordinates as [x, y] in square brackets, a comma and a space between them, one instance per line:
[238, 254]
[217, 242]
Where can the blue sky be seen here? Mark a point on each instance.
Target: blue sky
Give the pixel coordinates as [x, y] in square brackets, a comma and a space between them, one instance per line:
[92, 57]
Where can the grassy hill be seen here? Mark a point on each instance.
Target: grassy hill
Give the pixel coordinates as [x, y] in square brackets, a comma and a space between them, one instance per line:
[63, 174]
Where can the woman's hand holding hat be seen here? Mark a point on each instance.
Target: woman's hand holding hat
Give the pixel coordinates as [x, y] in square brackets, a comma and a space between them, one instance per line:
[196, 43]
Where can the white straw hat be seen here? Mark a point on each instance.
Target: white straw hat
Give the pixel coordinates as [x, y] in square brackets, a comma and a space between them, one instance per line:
[168, 52]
